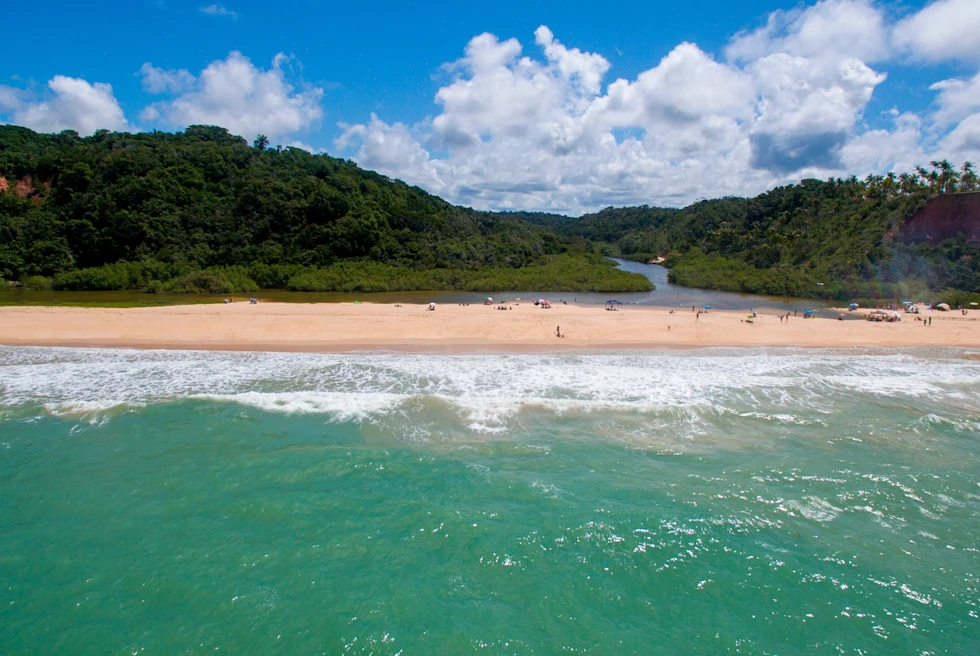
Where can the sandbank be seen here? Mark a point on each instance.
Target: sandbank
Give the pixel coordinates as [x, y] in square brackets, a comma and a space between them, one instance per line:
[453, 328]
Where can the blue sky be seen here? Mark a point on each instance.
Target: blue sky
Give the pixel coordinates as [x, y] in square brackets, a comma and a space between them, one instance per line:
[480, 104]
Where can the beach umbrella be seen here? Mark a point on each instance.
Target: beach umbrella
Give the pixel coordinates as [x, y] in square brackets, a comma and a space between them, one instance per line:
[906, 302]
[707, 307]
[972, 303]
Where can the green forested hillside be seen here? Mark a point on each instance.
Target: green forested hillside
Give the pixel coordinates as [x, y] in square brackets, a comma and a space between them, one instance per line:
[203, 210]
[834, 239]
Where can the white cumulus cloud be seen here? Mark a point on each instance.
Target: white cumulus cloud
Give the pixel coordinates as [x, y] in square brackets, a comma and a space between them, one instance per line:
[70, 104]
[832, 28]
[159, 80]
[541, 131]
[957, 99]
[218, 10]
[945, 29]
[958, 108]
[236, 95]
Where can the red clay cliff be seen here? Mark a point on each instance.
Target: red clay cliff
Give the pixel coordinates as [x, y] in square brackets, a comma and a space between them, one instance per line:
[944, 217]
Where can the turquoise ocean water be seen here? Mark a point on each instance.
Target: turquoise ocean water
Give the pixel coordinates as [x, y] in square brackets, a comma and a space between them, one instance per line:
[750, 501]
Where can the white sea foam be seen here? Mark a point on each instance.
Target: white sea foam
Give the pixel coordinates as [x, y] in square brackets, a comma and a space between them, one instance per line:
[793, 387]
[82, 408]
[813, 508]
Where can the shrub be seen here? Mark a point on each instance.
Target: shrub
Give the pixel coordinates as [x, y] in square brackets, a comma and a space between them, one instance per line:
[36, 283]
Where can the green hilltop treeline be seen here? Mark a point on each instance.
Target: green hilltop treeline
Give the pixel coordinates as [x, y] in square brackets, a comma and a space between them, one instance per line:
[834, 239]
[201, 210]
[564, 272]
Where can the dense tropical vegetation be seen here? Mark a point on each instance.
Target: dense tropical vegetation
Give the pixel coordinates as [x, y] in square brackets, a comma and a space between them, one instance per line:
[202, 210]
[834, 239]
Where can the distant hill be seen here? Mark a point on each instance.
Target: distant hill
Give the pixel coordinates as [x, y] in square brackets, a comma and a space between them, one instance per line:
[201, 209]
[885, 237]
[537, 218]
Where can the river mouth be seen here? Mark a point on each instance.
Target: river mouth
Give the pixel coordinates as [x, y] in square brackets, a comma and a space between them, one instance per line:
[665, 295]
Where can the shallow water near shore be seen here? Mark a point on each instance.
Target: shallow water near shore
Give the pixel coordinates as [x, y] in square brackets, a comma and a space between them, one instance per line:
[745, 501]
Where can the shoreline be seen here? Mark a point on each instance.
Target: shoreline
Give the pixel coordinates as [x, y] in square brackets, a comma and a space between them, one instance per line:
[350, 327]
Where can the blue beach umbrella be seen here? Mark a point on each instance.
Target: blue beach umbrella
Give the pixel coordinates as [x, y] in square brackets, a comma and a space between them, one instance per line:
[707, 307]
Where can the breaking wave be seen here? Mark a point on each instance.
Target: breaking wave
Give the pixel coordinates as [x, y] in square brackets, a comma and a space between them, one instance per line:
[702, 390]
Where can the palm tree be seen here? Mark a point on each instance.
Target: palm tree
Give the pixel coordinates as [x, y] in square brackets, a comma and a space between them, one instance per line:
[909, 183]
[929, 176]
[261, 142]
[968, 177]
[891, 182]
[946, 182]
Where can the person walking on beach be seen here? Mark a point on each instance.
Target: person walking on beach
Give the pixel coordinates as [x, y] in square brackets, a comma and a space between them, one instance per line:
[558, 331]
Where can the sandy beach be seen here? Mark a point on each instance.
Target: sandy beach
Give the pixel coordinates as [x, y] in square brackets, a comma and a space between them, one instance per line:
[349, 326]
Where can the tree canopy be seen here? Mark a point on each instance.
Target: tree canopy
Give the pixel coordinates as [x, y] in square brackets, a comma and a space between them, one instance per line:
[204, 210]
[834, 239]
[202, 199]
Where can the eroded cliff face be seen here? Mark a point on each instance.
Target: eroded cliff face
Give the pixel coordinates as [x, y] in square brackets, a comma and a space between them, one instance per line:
[944, 217]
